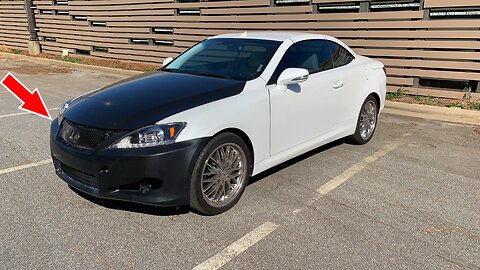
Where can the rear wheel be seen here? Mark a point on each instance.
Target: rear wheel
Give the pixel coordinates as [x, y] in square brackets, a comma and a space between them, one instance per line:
[366, 123]
[220, 175]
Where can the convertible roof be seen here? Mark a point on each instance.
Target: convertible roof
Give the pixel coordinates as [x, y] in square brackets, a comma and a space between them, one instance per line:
[271, 35]
[283, 36]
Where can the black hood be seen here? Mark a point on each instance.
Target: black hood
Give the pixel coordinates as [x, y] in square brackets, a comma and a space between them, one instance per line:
[147, 98]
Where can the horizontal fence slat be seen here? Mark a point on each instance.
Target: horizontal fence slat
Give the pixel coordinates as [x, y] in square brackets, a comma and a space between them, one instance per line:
[450, 4]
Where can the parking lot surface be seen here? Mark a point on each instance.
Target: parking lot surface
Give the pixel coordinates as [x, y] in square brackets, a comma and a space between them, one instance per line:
[407, 200]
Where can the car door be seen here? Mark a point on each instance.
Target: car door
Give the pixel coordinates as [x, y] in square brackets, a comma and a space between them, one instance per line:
[348, 87]
[303, 111]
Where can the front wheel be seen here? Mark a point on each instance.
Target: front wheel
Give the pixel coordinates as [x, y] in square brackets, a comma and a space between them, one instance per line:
[366, 122]
[220, 175]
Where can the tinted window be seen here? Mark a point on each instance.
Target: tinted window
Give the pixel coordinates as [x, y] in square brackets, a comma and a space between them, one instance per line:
[341, 56]
[232, 58]
[312, 55]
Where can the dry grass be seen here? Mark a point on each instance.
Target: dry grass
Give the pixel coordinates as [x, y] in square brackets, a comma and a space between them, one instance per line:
[94, 61]
[434, 101]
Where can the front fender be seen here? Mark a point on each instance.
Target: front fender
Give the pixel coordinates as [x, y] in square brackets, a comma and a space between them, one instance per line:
[248, 111]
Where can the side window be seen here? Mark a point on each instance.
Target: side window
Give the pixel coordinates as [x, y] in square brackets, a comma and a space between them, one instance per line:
[341, 56]
[312, 55]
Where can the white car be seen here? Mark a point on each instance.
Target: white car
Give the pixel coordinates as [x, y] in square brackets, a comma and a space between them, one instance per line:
[228, 108]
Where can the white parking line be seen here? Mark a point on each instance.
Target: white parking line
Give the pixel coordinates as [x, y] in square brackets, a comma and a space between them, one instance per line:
[347, 174]
[242, 244]
[26, 166]
[239, 246]
[22, 113]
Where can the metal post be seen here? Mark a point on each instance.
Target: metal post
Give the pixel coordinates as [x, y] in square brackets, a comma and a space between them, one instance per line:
[364, 6]
[31, 20]
[426, 11]
[33, 43]
[416, 82]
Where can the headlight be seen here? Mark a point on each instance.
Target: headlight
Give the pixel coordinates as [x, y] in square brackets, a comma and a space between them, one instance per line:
[151, 136]
[63, 108]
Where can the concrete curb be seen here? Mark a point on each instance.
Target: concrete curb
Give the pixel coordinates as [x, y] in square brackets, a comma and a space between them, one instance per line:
[453, 115]
[115, 71]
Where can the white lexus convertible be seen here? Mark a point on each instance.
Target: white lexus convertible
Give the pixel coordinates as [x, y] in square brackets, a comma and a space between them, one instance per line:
[232, 106]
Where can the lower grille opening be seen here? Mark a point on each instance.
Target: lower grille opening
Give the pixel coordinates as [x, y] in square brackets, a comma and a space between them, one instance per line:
[84, 178]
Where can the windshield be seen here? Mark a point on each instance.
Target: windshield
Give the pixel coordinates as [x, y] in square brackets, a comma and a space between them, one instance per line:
[229, 58]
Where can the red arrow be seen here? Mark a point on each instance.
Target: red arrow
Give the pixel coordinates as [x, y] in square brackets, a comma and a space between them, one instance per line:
[31, 102]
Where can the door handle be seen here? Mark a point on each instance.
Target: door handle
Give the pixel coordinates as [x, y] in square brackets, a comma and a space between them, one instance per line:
[338, 85]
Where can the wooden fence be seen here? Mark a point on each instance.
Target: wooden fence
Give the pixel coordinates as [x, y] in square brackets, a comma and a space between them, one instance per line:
[430, 47]
[13, 24]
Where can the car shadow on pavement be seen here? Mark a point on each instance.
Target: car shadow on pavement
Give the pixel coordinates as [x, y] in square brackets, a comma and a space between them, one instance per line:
[133, 207]
[294, 161]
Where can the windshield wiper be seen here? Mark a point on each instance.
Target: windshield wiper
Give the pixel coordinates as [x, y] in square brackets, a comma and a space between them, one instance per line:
[168, 69]
[199, 73]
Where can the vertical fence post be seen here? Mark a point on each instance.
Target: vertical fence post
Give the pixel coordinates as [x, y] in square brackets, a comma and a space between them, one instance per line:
[33, 42]
[364, 6]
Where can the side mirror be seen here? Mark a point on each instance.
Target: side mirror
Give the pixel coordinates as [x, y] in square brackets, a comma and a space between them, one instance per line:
[292, 76]
[167, 60]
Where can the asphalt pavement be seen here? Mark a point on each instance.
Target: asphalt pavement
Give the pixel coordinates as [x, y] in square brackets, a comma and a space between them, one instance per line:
[407, 200]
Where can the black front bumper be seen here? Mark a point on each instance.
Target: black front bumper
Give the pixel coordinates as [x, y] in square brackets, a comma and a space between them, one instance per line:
[157, 175]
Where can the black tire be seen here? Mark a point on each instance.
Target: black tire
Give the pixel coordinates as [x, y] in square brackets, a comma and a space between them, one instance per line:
[199, 200]
[357, 137]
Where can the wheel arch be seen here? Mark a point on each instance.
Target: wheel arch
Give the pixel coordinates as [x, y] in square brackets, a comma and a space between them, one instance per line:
[246, 139]
[377, 99]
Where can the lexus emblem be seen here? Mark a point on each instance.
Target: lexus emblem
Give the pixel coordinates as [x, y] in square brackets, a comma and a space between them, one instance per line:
[74, 136]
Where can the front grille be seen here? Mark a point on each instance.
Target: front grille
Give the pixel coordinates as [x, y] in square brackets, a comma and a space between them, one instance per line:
[84, 178]
[82, 137]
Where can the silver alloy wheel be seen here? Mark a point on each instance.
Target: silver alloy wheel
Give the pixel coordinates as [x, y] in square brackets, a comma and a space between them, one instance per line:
[368, 119]
[224, 174]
